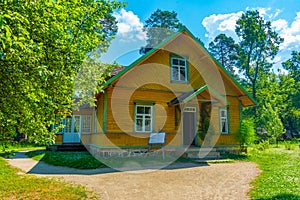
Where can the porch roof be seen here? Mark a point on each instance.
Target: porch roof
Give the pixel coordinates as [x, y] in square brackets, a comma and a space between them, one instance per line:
[205, 91]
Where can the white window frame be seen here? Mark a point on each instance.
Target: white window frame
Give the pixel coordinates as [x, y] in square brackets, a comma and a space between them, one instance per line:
[87, 125]
[143, 117]
[178, 68]
[224, 118]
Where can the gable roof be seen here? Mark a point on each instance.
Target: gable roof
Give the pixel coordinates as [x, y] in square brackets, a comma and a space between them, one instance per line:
[204, 90]
[245, 95]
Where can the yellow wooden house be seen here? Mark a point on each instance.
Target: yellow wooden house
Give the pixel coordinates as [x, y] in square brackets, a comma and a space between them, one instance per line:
[177, 88]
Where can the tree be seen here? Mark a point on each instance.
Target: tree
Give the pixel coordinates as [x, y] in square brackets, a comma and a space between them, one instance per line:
[158, 27]
[293, 65]
[292, 84]
[42, 46]
[272, 98]
[258, 46]
[225, 50]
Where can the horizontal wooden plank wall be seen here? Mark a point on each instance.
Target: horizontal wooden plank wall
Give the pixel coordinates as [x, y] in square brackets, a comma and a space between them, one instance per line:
[127, 140]
[120, 119]
[58, 138]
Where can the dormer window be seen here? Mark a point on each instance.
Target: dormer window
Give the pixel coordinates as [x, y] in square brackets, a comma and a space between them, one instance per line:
[179, 71]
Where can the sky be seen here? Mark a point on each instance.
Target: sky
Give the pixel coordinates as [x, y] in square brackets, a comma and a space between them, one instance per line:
[205, 19]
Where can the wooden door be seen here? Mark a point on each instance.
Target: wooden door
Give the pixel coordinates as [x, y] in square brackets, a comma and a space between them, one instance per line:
[189, 128]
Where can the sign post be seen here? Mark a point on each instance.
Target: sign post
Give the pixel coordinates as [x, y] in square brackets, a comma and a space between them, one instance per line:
[158, 139]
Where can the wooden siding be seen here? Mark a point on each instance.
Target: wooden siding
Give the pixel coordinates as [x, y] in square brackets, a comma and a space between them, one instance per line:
[99, 113]
[58, 138]
[120, 111]
[127, 140]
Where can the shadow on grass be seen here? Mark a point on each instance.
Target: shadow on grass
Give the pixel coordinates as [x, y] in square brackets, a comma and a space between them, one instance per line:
[281, 197]
[84, 163]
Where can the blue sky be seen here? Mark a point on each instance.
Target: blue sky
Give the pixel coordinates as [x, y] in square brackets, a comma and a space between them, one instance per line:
[205, 19]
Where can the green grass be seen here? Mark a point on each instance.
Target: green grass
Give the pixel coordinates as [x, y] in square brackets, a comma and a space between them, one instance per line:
[79, 160]
[280, 177]
[21, 146]
[24, 186]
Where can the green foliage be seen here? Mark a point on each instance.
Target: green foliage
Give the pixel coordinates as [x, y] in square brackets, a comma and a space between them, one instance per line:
[258, 44]
[88, 78]
[292, 108]
[42, 46]
[261, 146]
[15, 186]
[247, 133]
[225, 50]
[270, 120]
[158, 27]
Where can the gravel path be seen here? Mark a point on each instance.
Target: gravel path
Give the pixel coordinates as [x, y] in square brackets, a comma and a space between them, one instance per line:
[180, 181]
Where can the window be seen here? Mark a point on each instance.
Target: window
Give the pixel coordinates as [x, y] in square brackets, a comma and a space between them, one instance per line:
[86, 123]
[223, 120]
[81, 124]
[179, 69]
[77, 124]
[143, 118]
[68, 125]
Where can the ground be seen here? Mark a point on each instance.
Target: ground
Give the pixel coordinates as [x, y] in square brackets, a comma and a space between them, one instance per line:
[179, 181]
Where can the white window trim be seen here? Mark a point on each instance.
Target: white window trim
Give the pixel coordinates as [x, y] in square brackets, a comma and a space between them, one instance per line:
[151, 118]
[178, 68]
[226, 119]
[89, 124]
[80, 124]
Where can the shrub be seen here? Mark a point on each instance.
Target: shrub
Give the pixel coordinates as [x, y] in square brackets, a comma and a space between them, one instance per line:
[247, 133]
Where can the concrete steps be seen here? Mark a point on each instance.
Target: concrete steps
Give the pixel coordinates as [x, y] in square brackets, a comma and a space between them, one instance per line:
[203, 153]
[67, 147]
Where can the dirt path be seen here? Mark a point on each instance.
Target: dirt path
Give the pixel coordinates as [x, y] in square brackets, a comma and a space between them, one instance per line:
[192, 181]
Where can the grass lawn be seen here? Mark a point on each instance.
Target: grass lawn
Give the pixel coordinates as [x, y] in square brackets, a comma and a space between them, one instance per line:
[79, 160]
[280, 177]
[24, 186]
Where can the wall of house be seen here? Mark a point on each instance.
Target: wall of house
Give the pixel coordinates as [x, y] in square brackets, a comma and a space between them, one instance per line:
[99, 113]
[58, 138]
[234, 124]
[154, 87]
[120, 117]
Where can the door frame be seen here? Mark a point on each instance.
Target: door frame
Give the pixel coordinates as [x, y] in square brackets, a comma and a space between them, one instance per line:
[189, 109]
[73, 130]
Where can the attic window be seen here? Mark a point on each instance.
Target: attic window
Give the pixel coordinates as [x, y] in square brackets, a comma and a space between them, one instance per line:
[179, 69]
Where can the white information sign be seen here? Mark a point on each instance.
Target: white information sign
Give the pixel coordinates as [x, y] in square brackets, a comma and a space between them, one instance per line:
[157, 138]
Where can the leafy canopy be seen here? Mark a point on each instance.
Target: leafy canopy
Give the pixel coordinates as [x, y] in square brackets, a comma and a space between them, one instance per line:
[42, 46]
[158, 27]
[258, 46]
[225, 50]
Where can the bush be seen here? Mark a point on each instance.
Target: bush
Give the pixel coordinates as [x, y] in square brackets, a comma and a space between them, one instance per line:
[262, 145]
[247, 134]
[288, 145]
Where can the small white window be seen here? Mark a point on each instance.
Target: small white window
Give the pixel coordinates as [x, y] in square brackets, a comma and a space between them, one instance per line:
[190, 109]
[223, 120]
[178, 69]
[143, 118]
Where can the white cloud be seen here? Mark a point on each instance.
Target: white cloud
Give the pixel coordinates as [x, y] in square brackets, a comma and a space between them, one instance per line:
[225, 23]
[290, 34]
[290, 31]
[129, 25]
[279, 24]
